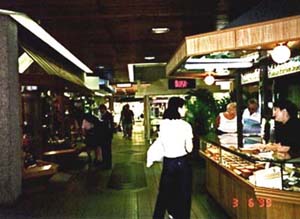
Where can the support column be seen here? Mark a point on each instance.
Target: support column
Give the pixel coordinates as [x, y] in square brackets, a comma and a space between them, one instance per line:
[239, 108]
[147, 117]
[10, 114]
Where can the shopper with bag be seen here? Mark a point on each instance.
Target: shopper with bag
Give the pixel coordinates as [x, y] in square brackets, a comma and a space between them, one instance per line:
[92, 131]
[172, 146]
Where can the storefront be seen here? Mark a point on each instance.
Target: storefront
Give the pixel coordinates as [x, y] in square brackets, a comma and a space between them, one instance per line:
[259, 180]
[20, 33]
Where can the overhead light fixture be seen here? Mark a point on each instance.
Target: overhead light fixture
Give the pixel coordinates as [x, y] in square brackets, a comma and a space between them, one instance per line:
[24, 62]
[160, 30]
[218, 65]
[38, 31]
[131, 72]
[100, 67]
[149, 58]
[204, 60]
[222, 72]
[209, 79]
[67, 94]
[124, 85]
[281, 54]
[31, 88]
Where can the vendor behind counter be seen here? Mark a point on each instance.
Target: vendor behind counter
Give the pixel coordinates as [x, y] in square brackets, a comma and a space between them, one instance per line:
[287, 125]
[251, 117]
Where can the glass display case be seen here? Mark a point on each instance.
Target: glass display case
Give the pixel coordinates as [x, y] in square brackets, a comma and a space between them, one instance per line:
[262, 165]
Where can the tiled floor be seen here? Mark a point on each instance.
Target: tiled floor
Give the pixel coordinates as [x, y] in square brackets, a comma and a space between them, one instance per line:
[128, 191]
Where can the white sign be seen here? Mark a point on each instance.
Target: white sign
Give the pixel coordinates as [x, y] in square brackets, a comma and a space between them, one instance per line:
[250, 77]
[292, 66]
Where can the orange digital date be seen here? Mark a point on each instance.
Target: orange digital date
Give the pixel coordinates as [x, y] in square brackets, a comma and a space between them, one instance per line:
[262, 203]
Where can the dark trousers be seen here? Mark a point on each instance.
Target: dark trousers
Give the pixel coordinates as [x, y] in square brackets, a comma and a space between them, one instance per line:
[106, 153]
[175, 189]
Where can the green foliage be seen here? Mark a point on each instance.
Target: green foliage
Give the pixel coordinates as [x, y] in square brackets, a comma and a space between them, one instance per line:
[201, 110]
[222, 104]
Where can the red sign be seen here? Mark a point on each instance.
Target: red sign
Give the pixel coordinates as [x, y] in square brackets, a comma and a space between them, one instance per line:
[182, 83]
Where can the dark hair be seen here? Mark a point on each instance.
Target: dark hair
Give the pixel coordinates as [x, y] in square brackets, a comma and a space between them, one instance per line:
[102, 106]
[90, 118]
[172, 111]
[289, 106]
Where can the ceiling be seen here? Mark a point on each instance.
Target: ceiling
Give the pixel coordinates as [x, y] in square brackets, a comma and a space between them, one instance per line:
[113, 33]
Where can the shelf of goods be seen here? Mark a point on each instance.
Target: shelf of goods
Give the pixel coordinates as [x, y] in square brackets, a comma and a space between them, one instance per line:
[253, 182]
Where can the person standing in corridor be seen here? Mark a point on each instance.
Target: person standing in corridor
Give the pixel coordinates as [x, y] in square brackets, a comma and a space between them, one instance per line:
[107, 121]
[93, 134]
[173, 145]
[127, 121]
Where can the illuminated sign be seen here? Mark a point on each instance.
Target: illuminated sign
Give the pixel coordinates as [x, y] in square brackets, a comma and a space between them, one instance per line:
[182, 83]
[292, 66]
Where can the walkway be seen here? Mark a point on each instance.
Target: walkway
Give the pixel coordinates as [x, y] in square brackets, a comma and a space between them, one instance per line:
[128, 191]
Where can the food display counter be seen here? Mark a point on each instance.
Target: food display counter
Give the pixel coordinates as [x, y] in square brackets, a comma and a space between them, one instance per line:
[256, 181]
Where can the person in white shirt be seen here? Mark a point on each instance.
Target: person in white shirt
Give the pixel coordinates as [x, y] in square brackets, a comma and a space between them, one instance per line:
[227, 121]
[172, 145]
[251, 117]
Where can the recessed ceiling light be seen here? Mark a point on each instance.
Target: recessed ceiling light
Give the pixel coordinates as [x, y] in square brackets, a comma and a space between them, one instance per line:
[149, 57]
[100, 67]
[124, 85]
[160, 30]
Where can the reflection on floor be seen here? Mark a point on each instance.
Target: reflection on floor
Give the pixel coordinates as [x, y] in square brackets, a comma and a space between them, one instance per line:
[128, 191]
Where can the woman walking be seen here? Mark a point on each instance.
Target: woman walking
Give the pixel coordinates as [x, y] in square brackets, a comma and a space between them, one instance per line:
[174, 143]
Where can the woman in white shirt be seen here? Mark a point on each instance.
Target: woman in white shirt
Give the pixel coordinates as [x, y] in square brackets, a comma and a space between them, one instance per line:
[174, 143]
[227, 121]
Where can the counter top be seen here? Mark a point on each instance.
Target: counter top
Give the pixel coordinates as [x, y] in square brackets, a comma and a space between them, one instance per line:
[228, 142]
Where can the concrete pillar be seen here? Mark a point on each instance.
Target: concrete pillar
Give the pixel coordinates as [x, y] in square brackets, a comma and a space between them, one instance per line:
[147, 124]
[10, 113]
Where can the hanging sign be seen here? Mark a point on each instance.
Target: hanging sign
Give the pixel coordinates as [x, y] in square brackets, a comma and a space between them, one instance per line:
[292, 66]
[182, 83]
[250, 77]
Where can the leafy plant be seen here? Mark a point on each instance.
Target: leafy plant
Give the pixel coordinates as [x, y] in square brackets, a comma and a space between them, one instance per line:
[201, 111]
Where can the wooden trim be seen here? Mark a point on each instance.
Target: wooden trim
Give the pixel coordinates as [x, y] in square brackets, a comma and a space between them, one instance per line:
[278, 195]
[228, 172]
[179, 57]
[229, 189]
[269, 33]
[207, 43]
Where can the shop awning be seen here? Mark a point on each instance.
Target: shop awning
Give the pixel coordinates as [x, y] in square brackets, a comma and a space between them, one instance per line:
[30, 29]
[265, 35]
[52, 68]
[47, 52]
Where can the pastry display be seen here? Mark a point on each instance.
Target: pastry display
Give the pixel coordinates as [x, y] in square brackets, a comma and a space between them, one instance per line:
[263, 174]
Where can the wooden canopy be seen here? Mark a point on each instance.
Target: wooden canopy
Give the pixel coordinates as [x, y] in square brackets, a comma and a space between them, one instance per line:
[247, 37]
